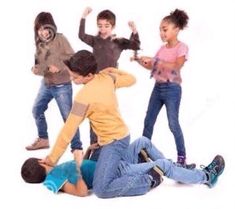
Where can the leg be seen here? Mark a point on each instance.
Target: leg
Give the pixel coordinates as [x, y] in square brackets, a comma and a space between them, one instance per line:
[154, 107]
[63, 97]
[40, 106]
[142, 143]
[172, 102]
[107, 180]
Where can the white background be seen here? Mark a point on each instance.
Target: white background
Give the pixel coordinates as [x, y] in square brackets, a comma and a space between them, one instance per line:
[207, 112]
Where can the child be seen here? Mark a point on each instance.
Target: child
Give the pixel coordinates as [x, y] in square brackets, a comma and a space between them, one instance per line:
[66, 177]
[166, 67]
[51, 49]
[106, 47]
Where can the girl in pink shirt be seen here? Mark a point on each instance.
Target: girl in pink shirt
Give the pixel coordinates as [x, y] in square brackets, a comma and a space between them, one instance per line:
[165, 68]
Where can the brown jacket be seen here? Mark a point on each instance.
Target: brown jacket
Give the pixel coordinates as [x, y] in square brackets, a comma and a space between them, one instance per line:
[53, 53]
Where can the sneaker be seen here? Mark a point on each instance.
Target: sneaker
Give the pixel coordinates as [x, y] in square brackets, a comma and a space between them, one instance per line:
[143, 156]
[39, 143]
[181, 161]
[214, 170]
[156, 174]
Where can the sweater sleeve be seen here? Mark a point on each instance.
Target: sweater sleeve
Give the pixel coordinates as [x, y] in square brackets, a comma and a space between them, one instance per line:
[121, 78]
[69, 129]
[88, 39]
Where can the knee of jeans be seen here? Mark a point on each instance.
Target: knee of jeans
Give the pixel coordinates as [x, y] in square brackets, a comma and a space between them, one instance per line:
[100, 191]
[36, 112]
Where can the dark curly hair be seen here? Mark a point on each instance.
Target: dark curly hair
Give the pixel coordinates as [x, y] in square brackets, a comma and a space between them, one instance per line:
[179, 18]
[82, 62]
[32, 171]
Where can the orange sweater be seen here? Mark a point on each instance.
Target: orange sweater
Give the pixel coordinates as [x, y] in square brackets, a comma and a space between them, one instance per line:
[96, 101]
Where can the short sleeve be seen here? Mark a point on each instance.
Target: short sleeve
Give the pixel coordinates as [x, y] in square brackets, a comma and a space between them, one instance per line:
[59, 175]
[182, 50]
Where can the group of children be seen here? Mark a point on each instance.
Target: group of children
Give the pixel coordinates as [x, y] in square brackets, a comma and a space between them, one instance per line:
[111, 166]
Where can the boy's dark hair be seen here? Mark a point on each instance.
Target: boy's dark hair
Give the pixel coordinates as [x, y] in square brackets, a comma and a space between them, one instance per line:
[107, 15]
[32, 171]
[83, 62]
[179, 18]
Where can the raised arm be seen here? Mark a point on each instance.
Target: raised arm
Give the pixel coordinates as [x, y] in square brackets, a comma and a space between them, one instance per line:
[88, 39]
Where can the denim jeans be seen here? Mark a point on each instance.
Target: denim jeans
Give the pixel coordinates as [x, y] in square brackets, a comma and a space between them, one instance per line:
[108, 182]
[63, 96]
[168, 94]
[130, 165]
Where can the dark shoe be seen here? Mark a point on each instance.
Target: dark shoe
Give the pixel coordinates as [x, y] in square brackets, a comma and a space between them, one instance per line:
[156, 173]
[38, 144]
[181, 161]
[214, 170]
[143, 157]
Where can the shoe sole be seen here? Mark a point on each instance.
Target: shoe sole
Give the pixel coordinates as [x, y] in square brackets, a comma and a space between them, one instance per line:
[32, 149]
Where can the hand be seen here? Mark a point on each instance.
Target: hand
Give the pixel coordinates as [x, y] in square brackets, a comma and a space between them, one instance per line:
[53, 69]
[35, 70]
[46, 161]
[86, 12]
[94, 146]
[132, 27]
[145, 60]
[78, 156]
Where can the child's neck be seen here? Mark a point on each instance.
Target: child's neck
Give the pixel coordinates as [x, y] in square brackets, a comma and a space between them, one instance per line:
[172, 43]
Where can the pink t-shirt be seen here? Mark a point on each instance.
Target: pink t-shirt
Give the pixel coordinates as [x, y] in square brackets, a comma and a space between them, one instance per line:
[170, 55]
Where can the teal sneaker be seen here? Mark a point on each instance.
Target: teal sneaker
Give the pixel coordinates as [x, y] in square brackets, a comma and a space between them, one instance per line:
[214, 170]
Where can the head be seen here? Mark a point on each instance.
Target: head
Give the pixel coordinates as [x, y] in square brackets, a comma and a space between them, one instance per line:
[44, 27]
[106, 21]
[32, 171]
[172, 24]
[82, 66]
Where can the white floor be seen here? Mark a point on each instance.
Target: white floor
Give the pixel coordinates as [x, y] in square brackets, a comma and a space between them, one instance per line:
[207, 113]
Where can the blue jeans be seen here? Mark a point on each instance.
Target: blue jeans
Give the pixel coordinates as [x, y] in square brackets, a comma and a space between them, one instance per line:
[168, 94]
[130, 166]
[108, 182]
[63, 96]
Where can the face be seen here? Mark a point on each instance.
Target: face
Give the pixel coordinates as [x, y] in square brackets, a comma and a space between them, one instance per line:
[44, 33]
[79, 79]
[105, 27]
[168, 31]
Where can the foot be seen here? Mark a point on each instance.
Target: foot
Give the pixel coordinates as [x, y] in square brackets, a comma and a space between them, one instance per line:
[156, 176]
[39, 143]
[181, 160]
[214, 170]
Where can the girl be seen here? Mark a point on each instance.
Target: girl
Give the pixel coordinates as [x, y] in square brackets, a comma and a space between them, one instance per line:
[166, 66]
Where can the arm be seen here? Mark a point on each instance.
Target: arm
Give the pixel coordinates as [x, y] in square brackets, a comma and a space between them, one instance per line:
[75, 118]
[80, 189]
[146, 62]
[88, 39]
[177, 65]
[90, 149]
[121, 78]
[134, 42]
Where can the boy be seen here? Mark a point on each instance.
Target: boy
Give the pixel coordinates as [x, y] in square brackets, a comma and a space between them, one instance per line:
[106, 47]
[141, 158]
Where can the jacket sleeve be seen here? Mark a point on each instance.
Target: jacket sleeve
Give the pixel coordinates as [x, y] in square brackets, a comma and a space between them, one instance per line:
[132, 43]
[88, 39]
[69, 129]
[121, 78]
